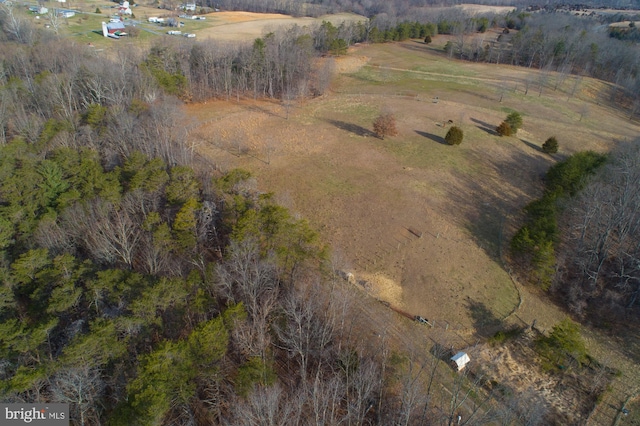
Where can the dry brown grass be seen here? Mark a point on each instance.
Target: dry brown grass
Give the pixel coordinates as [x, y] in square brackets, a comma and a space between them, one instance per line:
[363, 194]
[247, 26]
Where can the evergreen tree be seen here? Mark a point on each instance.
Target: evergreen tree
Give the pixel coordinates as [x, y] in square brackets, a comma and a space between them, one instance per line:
[454, 136]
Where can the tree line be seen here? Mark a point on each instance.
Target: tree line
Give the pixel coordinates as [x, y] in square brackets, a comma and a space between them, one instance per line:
[599, 255]
[401, 9]
[581, 239]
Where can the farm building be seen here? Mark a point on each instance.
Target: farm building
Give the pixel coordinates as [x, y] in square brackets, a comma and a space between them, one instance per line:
[124, 8]
[113, 29]
[40, 10]
[459, 360]
[65, 13]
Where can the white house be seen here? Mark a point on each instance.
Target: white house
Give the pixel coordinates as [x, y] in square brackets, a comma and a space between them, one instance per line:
[124, 8]
[460, 360]
[113, 29]
[189, 6]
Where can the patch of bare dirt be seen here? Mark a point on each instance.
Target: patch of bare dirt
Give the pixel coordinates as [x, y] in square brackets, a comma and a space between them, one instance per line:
[350, 64]
[563, 397]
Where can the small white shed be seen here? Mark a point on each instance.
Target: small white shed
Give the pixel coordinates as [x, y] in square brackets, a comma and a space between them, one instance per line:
[459, 360]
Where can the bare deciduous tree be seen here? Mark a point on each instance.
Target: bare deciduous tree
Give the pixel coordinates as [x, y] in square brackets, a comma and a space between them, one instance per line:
[309, 328]
[80, 387]
[385, 125]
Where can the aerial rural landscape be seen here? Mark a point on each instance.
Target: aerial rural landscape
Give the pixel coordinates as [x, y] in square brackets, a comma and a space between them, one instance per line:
[286, 212]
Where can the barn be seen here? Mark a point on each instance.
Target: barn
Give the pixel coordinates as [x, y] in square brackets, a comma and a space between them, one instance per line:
[113, 29]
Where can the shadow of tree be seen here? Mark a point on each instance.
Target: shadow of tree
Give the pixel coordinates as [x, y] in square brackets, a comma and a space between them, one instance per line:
[487, 127]
[485, 202]
[352, 128]
[484, 321]
[433, 137]
[531, 145]
[257, 108]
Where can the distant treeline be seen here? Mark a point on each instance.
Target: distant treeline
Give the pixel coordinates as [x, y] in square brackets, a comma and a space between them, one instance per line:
[397, 9]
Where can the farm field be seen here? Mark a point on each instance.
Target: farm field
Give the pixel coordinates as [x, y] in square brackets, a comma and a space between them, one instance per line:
[422, 225]
[217, 26]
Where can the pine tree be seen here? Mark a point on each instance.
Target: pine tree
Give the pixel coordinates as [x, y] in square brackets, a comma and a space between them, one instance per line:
[550, 146]
[454, 136]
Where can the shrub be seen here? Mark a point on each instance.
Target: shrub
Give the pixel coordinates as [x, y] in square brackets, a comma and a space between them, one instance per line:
[503, 335]
[454, 136]
[133, 31]
[550, 146]
[448, 47]
[504, 129]
[515, 121]
[98, 10]
[385, 125]
[427, 39]
[564, 342]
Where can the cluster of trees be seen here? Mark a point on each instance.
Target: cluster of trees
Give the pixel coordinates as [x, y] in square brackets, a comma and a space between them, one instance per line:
[510, 125]
[599, 258]
[630, 33]
[535, 243]
[278, 65]
[563, 346]
[556, 42]
[582, 238]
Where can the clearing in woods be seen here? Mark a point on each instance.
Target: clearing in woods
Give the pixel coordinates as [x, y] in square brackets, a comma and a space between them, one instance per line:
[421, 224]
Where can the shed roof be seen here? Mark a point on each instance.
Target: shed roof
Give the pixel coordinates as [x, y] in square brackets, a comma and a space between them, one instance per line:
[461, 359]
[115, 26]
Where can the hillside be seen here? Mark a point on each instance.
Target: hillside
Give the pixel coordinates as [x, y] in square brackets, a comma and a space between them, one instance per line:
[367, 196]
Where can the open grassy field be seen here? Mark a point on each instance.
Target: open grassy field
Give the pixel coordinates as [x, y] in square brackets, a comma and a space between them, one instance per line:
[365, 193]
[421, 224]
